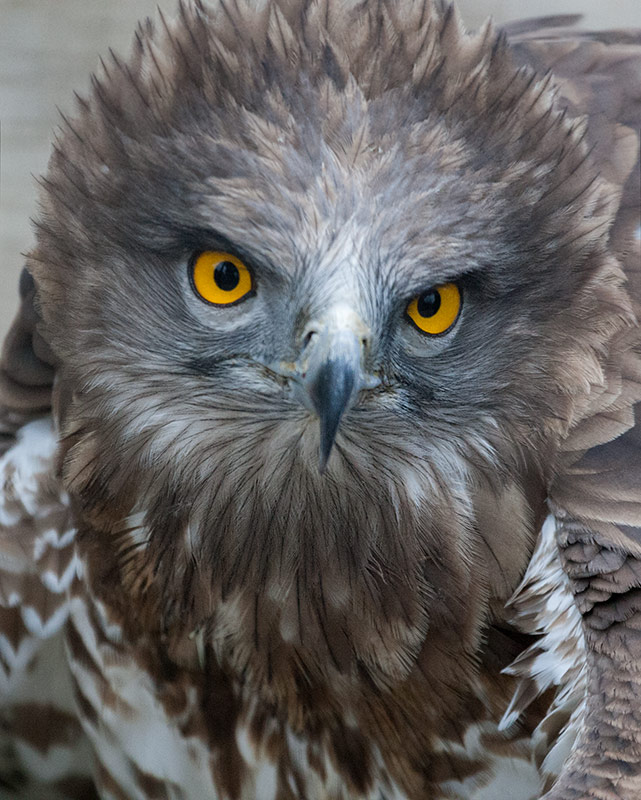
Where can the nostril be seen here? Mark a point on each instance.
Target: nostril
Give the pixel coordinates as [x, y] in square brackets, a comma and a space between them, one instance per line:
[365, 342]
[308, 337]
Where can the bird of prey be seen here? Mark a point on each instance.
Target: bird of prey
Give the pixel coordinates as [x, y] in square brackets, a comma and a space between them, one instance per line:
[321, 473]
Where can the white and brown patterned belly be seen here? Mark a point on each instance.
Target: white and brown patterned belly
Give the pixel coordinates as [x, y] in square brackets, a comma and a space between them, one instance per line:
[161, 731]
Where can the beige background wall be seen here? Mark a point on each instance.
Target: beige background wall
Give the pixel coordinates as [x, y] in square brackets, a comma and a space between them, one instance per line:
[49, 47]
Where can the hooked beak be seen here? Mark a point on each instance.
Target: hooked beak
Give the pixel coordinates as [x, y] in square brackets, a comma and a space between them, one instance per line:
[331, 372]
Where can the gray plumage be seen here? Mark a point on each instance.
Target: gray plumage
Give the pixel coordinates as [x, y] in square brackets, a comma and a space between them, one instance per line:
[352, 158]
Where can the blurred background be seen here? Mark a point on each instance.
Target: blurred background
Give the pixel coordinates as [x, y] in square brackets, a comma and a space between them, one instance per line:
[48, 49]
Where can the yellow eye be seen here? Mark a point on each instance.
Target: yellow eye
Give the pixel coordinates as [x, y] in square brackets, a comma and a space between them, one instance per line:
[220, 278]
[436, 310]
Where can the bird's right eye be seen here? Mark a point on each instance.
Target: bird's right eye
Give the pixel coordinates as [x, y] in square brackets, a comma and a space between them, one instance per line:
[220, 278]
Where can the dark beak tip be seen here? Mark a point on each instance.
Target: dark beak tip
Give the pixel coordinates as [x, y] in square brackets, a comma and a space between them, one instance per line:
[327, 439]
[335, 401]
[331, 384]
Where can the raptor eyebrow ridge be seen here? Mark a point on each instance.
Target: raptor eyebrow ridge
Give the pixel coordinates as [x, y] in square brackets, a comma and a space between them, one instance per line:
[202, 239]
[421, 281]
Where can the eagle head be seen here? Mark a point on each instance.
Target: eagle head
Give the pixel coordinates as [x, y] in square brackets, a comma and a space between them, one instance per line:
[324, 282]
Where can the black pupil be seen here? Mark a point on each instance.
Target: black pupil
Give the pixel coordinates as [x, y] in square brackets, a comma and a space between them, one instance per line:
[429, 303]
[226, 276]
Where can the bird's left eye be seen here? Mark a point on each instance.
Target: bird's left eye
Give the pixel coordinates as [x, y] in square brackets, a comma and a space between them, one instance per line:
[436, 310]
[220, 278]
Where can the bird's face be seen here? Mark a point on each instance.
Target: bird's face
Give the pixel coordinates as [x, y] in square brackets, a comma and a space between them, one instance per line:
[315, 341]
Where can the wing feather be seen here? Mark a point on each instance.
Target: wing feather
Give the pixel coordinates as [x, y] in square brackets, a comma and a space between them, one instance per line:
[43, 751]
[596, 495]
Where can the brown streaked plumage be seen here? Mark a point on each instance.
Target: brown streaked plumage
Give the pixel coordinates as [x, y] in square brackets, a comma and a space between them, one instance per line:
[238, 622]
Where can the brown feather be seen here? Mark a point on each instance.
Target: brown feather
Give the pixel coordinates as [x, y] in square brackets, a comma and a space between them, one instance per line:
[343, 632]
